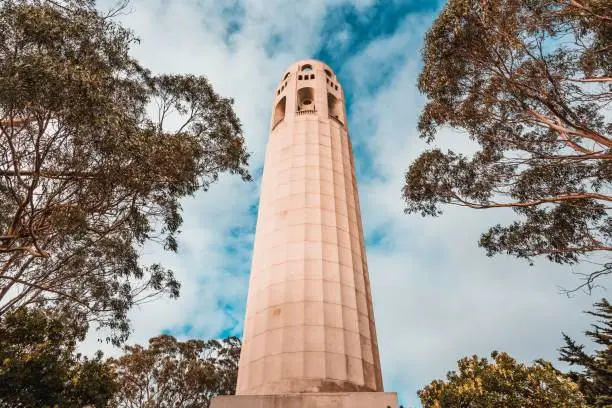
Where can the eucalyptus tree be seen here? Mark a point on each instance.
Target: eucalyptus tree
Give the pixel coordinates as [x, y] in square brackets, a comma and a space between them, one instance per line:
[530, 82]
[95, 154]
[176, 374]
[502, 382]
[39, 365]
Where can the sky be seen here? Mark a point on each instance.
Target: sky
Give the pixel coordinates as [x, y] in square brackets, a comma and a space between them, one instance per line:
[437, 296]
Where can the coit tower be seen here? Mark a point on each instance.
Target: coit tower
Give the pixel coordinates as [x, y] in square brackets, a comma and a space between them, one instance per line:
[309, 320]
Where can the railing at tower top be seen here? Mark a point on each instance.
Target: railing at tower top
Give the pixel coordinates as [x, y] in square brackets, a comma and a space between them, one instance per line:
[306, 112]
[335, 119]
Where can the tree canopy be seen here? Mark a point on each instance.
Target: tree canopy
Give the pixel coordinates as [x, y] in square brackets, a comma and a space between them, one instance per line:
[95, 154]
[170, 373]
[39, 367]
[530, 82]
[502, 382]
[505, 382]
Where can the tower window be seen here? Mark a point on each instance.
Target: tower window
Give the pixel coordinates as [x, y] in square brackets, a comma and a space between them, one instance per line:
[279, 110]
[305, 99]
[311, 76]
[307, 68]
[336, 86]
[328, 73]
[286, 76]
[334, 107]
[300, 77]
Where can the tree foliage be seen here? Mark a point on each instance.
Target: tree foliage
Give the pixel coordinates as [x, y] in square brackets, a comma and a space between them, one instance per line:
[502, 383]
[39, 367]
[595, 380]
[530, 81]
[174, 374]
[95, 154]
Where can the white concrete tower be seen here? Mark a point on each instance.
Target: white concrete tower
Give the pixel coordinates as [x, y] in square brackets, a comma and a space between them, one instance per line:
[309, 321]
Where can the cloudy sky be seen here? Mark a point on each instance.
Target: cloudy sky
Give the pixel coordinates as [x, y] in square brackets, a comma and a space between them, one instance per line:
[437, 297]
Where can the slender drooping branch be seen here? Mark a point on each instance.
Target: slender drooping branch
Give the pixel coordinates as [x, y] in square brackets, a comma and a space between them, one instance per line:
[532, 203]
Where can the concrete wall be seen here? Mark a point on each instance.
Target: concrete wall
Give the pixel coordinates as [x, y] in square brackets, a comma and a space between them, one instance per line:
[309, 322]
[336, 400]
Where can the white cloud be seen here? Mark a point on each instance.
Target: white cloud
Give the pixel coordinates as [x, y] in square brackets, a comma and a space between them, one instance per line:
[437, 296]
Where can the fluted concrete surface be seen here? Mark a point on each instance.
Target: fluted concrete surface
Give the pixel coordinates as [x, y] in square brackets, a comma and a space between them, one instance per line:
[309, 321]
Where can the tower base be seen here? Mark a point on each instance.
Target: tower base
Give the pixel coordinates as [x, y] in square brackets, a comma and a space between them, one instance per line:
[309, 400]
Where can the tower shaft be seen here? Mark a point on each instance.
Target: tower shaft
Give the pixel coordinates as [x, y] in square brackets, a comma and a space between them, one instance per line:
[309, 319]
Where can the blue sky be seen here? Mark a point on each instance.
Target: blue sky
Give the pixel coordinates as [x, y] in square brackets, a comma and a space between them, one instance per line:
[437, 297]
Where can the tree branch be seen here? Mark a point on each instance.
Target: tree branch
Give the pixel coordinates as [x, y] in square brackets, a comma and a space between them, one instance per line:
[42, 288]
[564, 132]
[559, 198]
[594, 79]
[61, 175]
[582, 7]
[589, 280]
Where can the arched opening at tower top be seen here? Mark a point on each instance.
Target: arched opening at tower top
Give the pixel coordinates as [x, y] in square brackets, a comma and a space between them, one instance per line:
[279, 111]
[334, 107]
[305, 99]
